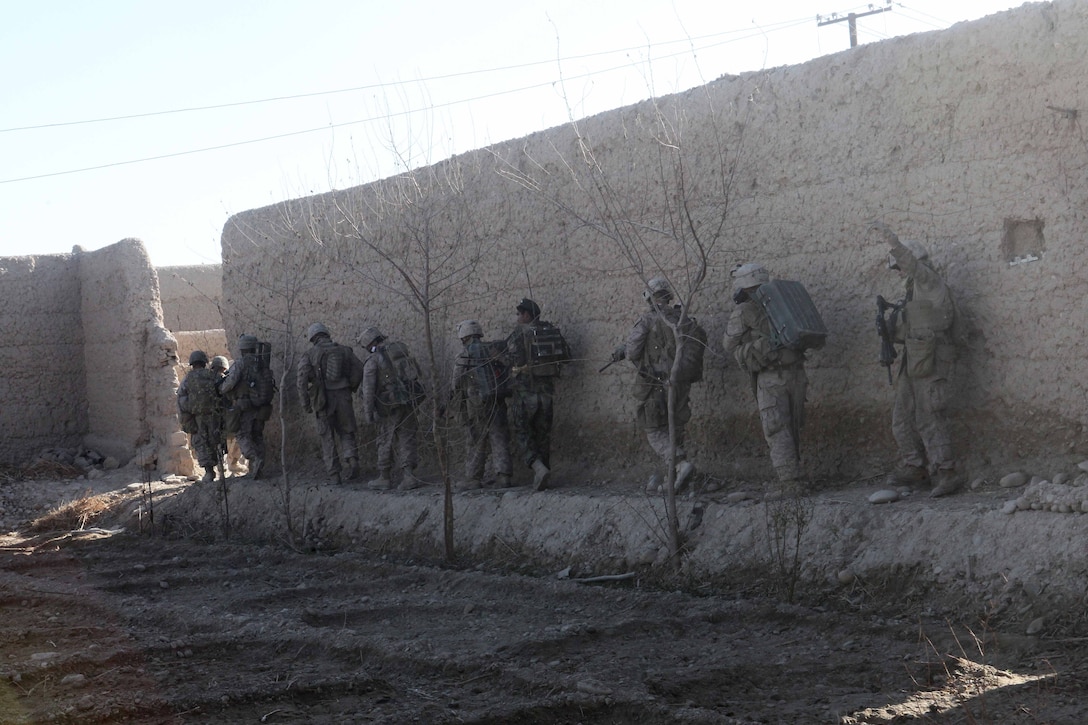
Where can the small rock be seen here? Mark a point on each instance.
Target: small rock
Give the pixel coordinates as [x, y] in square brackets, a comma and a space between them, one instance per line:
[846, 576]
[111, 463]
[85, 703]
[1083, 465]
[1013, 480]
[164, 585]
[94, 473]
[1061, 478]
[1010, 507]
[978, 483]
[738, 496]
[565, 574]
[884, 496]
[73, 680]
[43, 656]
[592, 688]
[1036, 626]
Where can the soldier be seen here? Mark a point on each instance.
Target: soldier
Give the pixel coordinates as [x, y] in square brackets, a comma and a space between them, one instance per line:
[778, 375]
[220, 365]
[328, 374]
[391, 392]
[535, 351]
[249, 387]
[651, 347]
[479, 399]
[922, 387]
[201, 413]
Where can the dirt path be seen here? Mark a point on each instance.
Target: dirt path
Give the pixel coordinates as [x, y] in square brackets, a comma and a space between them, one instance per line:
[113, 628]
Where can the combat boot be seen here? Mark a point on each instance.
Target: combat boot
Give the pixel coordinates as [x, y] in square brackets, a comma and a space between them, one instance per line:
[255, 467]
[382, 482]
[353, 468]
[502, 480]
[684, 469]
[209, 476]
[948, 482]
[541, 473]
[907, 476]
[408, 481]
[654, 484]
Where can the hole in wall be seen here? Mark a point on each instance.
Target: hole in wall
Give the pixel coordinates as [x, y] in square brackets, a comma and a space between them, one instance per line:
[1023, 241]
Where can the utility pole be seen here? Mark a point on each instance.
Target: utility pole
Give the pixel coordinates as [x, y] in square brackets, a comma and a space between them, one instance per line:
[852, 18]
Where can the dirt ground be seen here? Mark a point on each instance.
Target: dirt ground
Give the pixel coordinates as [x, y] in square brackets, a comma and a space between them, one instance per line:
[112, 624]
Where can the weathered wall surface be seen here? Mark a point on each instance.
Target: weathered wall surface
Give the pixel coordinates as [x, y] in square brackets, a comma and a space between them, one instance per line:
[128, 355]
[190, 297]
[966, 139]
[42, 393]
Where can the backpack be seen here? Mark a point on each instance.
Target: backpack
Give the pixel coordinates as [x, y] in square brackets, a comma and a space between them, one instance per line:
[203, 395]
[259, 379]
[547, 349]
[399, 376]
[795, 321]
[486, 375]
[339, 363]
[661, 344]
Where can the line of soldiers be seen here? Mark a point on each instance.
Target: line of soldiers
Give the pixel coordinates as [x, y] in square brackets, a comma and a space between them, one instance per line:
[496, 386]
[923, 326]
[492, 385]
[221, 405]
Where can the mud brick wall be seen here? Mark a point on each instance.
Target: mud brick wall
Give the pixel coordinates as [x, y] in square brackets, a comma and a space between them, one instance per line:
[190, 297]
[968, 140]
[42, 393]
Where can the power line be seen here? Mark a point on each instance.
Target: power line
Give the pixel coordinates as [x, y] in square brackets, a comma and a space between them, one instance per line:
[372, 86]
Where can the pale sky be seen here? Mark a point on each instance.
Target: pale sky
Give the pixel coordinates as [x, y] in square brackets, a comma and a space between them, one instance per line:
[131, 118]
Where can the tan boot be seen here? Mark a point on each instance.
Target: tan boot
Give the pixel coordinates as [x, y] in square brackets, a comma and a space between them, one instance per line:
[907, 476]
[352, 469]
[684, 469]
[948, 482]
[408, 481]
[541, 473]
[502, 480]
[382, 482]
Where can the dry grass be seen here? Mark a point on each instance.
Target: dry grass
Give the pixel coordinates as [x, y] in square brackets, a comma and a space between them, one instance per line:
[74, 515]
[48, 470]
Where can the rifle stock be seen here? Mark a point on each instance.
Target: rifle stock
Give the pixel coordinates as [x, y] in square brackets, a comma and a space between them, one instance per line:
[887, 347]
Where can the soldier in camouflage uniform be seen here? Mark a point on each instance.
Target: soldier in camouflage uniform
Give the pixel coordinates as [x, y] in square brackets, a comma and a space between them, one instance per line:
[531, 400]
[201, 413]
[249, 389]
[482, 412]
[778, 375]
[326, 380]
[392, 409]
[922, 387]
[651, 348]
[220, 365]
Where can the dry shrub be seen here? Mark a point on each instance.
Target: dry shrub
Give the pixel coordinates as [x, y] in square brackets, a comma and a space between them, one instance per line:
[50, 470]
[74, 515]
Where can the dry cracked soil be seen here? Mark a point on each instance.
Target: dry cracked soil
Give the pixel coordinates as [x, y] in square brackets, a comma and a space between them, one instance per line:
[104, 624]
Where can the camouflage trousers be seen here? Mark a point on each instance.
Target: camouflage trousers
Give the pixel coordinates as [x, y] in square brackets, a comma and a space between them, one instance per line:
[780, 395]
[531, 421]
[398, 432]
[206, 439]
[920, 420]
[336, 427]
[492, 433]
[250, 435]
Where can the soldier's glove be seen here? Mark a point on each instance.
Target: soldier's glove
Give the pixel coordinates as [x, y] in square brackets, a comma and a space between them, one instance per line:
[619, 353]
[887, 236]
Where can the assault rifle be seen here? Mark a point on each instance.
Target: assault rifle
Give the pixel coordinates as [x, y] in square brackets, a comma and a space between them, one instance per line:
[887, 349]
[620, 353]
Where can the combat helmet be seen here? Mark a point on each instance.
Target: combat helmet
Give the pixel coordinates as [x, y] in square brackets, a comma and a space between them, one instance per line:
[198, 356]
[752, 274]
[658, 288]
[470, 328]
[316, 329]
[247, 342]
[220, 363]
[527, 305]
[371, 336]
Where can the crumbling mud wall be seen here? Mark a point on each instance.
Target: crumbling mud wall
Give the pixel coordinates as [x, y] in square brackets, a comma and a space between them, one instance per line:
[968, 140]
[190, 297]
[90, 361]
[43, 393]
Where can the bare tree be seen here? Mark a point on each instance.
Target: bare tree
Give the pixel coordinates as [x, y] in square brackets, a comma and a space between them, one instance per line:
[662, 200]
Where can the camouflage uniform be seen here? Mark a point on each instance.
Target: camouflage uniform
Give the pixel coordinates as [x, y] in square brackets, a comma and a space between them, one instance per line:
[397, 424]
[922, 387]
[533, 392]
[330, 400]
[205, 429]
[651, 348]
[485, 422]
[779, 383]
[241, 387]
